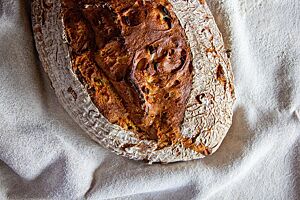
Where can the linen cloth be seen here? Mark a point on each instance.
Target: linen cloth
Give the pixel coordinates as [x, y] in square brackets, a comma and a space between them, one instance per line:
[45, 155]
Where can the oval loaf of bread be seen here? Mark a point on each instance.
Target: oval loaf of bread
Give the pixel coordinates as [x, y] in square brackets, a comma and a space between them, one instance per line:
[148, 79]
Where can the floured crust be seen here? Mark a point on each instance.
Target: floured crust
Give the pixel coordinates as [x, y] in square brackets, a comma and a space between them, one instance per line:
[208, 112]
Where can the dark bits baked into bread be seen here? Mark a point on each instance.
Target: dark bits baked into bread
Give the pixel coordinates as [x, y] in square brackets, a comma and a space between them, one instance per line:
[148, 79]
[134, 58]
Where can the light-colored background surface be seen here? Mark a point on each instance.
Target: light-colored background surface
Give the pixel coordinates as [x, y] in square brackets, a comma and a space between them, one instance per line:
[44, 154]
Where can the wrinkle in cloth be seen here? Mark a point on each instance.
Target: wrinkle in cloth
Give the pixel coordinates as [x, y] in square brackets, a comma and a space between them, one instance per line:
[45, 155]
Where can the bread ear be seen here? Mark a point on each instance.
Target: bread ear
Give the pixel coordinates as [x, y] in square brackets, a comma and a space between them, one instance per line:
[208, 115]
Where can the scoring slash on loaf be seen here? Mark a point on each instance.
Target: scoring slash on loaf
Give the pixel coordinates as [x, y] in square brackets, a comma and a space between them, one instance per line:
[149, 80]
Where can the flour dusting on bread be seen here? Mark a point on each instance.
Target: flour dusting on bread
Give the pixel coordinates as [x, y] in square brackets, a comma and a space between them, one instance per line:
[149, 80]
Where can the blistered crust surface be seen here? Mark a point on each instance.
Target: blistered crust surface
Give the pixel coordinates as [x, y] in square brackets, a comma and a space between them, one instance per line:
[209, 111]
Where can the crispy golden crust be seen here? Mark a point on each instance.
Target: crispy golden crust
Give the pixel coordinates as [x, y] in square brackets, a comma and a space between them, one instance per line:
[134, 58]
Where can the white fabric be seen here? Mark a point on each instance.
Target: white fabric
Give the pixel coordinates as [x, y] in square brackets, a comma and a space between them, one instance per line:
[44, 154]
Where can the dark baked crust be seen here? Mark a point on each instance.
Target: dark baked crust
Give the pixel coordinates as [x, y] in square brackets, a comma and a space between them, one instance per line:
[135, 61]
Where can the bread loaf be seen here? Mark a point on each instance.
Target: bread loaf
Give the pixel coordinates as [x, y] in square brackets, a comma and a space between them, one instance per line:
[149, 80]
